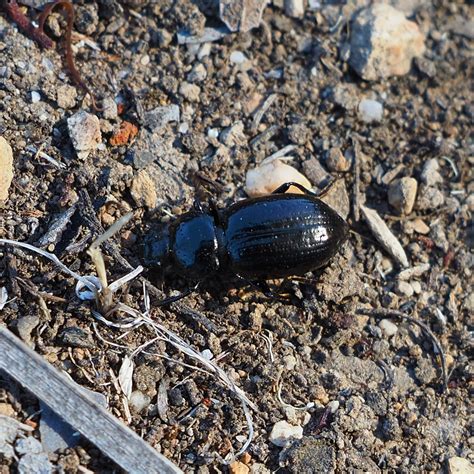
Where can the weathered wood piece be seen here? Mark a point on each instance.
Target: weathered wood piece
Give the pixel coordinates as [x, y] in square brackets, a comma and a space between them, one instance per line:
[111, 436]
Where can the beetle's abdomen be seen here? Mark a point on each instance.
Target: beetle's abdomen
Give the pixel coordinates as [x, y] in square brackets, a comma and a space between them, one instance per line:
[282, 235]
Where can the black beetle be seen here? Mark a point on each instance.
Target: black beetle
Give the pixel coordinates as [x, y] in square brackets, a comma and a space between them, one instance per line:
[267, 237]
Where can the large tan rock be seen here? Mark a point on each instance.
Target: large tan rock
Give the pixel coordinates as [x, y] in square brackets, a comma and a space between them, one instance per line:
[384, 42]
[6, 168]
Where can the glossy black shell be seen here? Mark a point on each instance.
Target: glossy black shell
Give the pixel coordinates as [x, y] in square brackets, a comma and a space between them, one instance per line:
[268, 237]
[281, 235]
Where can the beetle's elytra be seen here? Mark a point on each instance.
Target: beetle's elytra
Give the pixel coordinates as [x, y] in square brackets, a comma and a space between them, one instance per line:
[261, 238]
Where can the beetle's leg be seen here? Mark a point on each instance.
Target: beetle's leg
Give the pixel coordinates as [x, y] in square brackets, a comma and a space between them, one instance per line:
[285, 186]
[173, 299]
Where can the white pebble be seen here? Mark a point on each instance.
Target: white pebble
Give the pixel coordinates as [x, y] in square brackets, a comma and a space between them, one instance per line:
[139, 401]
[35, 97]
[183, 127]
[333, 406]
[237, 57]
[283, 433]
[213, 133]
[370, 110]
[207, 354]
[271, 174]
[388, 328]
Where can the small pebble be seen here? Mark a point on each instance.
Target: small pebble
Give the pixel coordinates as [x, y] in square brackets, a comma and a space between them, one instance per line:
[337, 161]
[237, 57]
[402, 194]
[458, 465]
[429, 198]
[213, 133]
[370, 110]
[84, 130]
[25, 326]
[143, 190]
[197, 74]
[416, 285]
[28, 445]
[294, 8]
[190, 92]
[404, 288]
[35, 97]
[430, 174]
[271, 174]
[66, 96]
[6, 168]
[238, 20]
[238, 467]
[110, 111]
[139, 401]
[283, 433]
[388, 328]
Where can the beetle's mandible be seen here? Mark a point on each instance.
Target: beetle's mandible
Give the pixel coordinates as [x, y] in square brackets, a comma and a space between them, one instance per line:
[268, 237]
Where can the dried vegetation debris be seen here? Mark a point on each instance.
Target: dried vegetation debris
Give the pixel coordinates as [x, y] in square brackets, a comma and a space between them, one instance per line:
[171, 70]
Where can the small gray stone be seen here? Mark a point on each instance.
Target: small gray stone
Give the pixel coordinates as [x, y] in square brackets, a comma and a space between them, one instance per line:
[237, 57]
[430, 174]
[309, 456]
[25, 326]
[315, 172]
[241, 15]
[28, 445]
[76, 337]
[35, 464]
[110, 110]
[388, 328]
[198, 73]
[157, 118]
[370, 110]
[189, 91]
[403, 288]
[402, 194]
[429, 198]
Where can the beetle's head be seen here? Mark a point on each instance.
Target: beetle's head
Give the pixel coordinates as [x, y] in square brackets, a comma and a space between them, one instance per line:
[156, 248]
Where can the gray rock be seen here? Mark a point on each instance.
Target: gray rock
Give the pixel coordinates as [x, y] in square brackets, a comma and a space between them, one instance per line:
[241, 15]
[76, 337]
[388, 328]
[370, 110]
[25, 326]
[28, 445]
[430, 174]
[198, 74]
[429, 198]
[315, 172]
[110, 111]
[157, 118]
[384, 42]
[35, 464]
[309, 456]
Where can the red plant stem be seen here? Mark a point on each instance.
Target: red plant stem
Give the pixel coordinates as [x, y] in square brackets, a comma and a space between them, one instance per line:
[43, 39]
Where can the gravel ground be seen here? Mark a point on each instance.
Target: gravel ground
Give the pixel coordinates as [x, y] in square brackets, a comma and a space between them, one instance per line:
[335, 387]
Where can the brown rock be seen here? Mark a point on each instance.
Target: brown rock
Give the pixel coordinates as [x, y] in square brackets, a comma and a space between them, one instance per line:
[143, 190]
